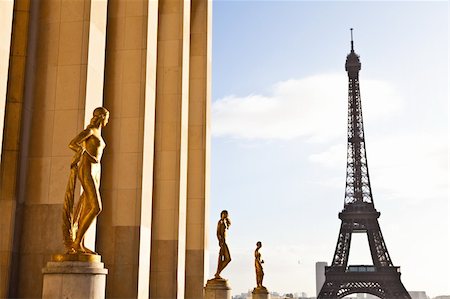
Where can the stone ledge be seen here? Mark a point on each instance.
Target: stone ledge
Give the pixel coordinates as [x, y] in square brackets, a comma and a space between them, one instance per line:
[72, 267]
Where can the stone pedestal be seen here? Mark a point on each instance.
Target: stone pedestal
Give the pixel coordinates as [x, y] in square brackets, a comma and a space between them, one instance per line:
[217, 288]
[260, 293]
[74, 280]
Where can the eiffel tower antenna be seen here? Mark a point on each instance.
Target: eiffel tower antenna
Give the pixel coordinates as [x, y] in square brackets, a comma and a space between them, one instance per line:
[351, 39]
[359, 215]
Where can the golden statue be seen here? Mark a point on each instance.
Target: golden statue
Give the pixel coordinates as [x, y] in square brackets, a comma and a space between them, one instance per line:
[258, 267]
[88, 146]
[224, 253]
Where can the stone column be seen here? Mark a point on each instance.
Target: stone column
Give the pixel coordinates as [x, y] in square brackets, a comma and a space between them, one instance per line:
[168, 247]
[217, 289]
[14, 19]
[123, 236]
[55, 113]
[6, 21]
[198, 149]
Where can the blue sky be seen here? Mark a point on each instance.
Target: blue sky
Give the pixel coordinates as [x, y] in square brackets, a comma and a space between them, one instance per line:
[279, 126]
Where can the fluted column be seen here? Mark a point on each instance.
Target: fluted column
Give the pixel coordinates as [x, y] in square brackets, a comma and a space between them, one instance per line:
[14, 19]
[123, 236]
[198, 149]
[6, 17]
[56, 100]
[168, 246]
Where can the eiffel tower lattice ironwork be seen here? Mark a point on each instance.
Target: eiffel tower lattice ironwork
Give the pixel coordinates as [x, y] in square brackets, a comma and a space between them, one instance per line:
[359, 215]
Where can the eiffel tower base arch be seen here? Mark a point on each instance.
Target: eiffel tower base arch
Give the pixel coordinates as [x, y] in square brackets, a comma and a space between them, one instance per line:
[384, 284]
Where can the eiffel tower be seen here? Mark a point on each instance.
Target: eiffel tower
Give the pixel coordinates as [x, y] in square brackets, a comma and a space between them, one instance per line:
[359, 215]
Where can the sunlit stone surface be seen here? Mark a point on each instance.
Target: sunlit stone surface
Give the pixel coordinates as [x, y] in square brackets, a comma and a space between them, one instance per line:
[217, 289]
[74, 280]
[148, 63]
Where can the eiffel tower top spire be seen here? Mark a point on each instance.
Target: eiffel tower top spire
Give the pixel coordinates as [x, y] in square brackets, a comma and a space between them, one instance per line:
[351, 39]
[357, 190]
[352, 64]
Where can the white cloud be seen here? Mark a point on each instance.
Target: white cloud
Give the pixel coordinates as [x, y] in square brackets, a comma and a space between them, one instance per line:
[333, 157]
[410, 167]
[312, 107]
[414, 168]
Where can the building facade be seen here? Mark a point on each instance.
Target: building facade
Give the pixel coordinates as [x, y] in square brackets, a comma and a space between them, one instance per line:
[148, 62]
[320, 275]
[418, 295]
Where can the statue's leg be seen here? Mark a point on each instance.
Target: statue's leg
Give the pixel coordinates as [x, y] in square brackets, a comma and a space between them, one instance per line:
[261, 278]
[80, 213]
[224, 259]
[96, 178]
[92, 208]
[79, 209]
[84, 248]
[227, 256]
[219, 263]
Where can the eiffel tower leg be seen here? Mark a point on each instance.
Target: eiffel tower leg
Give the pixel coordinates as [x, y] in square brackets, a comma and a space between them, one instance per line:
[329, 290]
[396, 290]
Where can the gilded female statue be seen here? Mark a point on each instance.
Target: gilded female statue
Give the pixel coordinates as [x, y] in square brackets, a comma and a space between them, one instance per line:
[258, 266]
[88, 146]
[224, 253]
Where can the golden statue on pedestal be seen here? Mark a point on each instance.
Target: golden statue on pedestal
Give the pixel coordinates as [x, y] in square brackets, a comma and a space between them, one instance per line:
[88, 146]
[224, 253]
[258, 267]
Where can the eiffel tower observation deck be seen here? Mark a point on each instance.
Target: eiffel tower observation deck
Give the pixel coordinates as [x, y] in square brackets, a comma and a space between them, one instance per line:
[359, 215]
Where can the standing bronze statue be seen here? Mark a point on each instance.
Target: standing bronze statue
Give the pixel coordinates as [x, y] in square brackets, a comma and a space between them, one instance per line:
[258, 266]
[88, 146]
[224, 253]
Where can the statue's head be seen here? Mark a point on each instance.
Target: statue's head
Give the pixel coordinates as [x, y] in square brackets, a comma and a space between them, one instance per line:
[258, 244]
[100, 116]
[224, 214]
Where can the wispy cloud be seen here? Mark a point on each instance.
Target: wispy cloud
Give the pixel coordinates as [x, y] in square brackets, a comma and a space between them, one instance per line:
[310, 107]
[413, 167]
